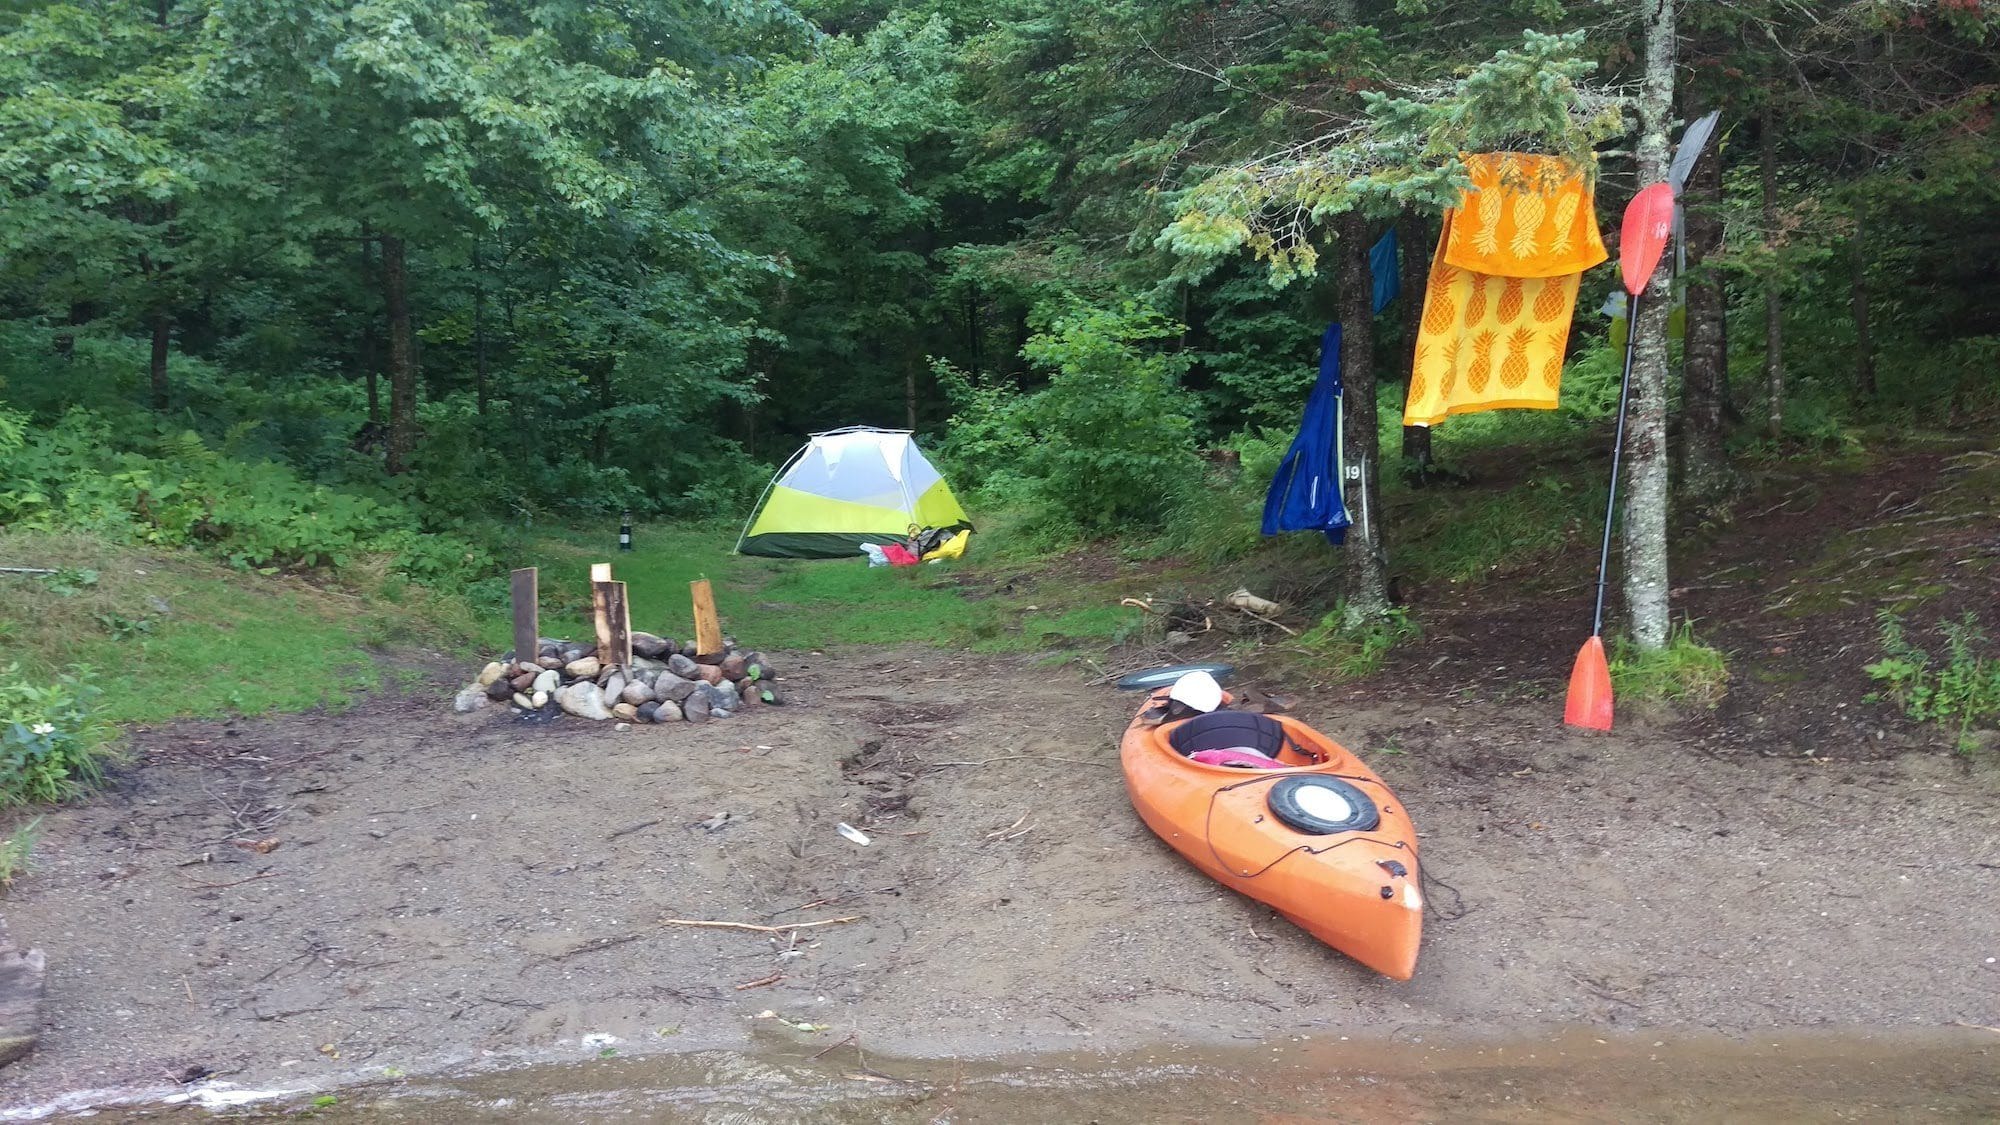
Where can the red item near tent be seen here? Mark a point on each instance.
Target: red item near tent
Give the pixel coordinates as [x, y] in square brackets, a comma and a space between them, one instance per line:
[899, 555]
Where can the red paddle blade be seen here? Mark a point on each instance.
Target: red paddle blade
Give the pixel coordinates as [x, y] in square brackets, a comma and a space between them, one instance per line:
[1649, 222]
[1589, 702]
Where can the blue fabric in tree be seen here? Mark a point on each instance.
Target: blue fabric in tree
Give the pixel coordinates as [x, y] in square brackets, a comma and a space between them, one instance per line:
[1387, 272]
[1305, 494]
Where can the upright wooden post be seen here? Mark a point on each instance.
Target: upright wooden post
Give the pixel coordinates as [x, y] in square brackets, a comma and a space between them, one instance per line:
[614, 623]
[527, 622]
[707, 626]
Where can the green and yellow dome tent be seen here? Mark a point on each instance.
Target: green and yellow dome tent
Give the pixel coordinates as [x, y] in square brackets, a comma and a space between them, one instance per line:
[847, 487]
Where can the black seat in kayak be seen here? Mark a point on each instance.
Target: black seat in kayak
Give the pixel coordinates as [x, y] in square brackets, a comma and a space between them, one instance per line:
[1228, 730]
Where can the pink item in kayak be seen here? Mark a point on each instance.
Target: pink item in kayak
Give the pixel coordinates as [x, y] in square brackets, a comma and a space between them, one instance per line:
[1241, 758]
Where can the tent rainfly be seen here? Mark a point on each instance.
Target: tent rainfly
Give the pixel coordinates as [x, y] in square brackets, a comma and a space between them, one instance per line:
[848, 487]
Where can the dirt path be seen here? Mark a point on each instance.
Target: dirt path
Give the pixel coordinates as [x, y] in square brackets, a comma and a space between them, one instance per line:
[447, 889]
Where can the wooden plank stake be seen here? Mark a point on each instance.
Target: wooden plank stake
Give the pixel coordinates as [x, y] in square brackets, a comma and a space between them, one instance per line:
[614, 623]
[707, 626]
[527, 620]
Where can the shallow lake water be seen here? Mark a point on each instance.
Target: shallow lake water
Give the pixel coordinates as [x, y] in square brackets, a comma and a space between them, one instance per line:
[1578, 1076]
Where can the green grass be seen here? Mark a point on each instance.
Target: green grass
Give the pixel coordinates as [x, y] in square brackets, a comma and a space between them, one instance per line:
[1686, 672]
[813, 604]
[15, 851]
[171, 635]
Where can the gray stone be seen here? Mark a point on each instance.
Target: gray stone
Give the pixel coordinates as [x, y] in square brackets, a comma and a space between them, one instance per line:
[499, 690]
[583, 668]
[585, 701]
[550, 661]
[470, 698]
[687, 649]
[625, 711]
[720, 713]
[695, 709]
[646, 644]
[615, 686]
[758, 665]
[648, 664]
[490, 673]
[647, 711]
[680, 665]
[669, 712]
[547, 681]
[725, 693]
[672, 687]
[575, 652]
[636, 693]
[22, 979]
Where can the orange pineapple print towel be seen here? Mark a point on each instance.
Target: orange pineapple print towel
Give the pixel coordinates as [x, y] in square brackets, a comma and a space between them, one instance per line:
[1502, 290]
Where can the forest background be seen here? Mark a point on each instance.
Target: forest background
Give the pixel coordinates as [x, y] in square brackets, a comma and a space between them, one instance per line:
[379, 292]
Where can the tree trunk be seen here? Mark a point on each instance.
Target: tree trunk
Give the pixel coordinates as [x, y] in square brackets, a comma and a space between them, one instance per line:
[1774, 307]
[1412, 235]
[402, 356]
[910, 394]
[163, 331]
[80, 313]
[1704, 467]
[478, 329]
[1645, 517]
[1366, 588]
[600, 434]
[1864, 342]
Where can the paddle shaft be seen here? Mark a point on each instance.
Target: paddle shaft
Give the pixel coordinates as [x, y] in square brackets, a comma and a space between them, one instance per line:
[1617, 451]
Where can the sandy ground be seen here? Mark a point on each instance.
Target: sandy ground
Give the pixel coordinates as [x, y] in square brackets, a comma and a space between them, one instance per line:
[447, 889]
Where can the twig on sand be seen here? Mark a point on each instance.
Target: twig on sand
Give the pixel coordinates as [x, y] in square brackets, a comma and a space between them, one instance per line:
[631, 828]
[760, 982]
[753, 927]
[824, 1051]
[1027, 758]
[237, 883]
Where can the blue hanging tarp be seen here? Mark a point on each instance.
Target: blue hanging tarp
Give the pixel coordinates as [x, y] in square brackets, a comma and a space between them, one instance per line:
[1305, 493]
[1387, 272]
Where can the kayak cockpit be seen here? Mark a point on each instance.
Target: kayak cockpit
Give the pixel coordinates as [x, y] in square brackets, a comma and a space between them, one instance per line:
[1240, 740]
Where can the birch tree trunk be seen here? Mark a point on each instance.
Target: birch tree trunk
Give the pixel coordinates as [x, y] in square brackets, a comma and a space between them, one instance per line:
[1645, 516]
[1366, 588]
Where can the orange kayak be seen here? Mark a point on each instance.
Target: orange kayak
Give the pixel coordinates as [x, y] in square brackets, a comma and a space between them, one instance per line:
[1305, 828]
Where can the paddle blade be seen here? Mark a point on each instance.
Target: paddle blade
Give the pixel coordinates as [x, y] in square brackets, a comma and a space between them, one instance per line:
[1649, 221]
[1589, 702]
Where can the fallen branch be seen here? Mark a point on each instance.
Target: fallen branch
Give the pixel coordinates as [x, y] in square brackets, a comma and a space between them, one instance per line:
[1027, 758]
[237, 883]
[25, 570]
[753, 927]
[631, 828]
[761, 982]
[1287, 629]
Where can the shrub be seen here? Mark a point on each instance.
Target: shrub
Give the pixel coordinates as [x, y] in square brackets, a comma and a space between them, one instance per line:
[1962, 689]
[70, 476]
[1351, 651]
[1106, 445]
[53, 744]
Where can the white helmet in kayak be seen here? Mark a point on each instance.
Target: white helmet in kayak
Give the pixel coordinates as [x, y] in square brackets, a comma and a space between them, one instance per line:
[1198, 691]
